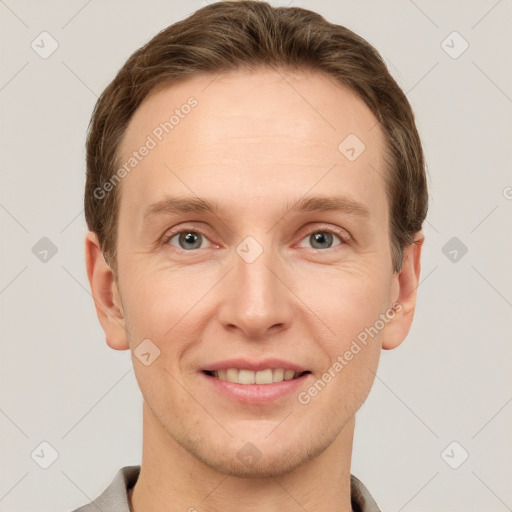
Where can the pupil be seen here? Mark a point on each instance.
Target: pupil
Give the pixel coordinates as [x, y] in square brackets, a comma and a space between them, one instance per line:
[190, 239]
[321, 238]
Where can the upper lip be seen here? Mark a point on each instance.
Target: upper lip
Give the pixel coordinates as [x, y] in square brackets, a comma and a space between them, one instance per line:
[246, 364]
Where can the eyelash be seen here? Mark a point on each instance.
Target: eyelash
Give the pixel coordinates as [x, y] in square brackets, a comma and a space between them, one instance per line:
[342, 235]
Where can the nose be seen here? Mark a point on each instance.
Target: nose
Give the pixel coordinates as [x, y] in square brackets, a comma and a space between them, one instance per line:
[256, 298]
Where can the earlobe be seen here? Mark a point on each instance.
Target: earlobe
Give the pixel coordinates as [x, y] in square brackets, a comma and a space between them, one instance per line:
[407, 282]
[106, 296]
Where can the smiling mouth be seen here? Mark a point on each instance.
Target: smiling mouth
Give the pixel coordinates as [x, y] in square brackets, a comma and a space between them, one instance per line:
[268, 376]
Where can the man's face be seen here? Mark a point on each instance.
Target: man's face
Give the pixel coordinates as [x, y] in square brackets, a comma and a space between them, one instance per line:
[294, 295]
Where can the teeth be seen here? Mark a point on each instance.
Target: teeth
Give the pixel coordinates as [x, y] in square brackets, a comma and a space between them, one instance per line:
[246, 377]
[263, 377]
[278, 375]
[288, 374]
[232, 375]
[268, 376]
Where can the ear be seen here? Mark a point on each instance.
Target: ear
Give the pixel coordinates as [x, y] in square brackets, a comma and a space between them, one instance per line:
[106, 294]
[405, 288]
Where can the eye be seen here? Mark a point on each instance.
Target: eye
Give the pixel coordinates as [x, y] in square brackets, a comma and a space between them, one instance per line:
[323, 239]
[187, 240]
[191, 240]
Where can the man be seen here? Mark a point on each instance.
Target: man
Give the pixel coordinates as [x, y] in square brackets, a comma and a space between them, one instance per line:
[280, 150]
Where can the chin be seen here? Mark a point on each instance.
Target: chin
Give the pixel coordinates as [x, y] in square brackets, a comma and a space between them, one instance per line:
[256, 459]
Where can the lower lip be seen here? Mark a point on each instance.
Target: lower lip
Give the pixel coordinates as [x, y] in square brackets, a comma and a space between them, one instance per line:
[256, 393]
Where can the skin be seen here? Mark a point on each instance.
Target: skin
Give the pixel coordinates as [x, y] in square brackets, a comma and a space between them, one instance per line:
[255, 143]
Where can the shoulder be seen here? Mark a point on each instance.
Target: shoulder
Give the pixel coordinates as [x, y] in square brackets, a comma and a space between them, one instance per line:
[115, 497]
[362, 500]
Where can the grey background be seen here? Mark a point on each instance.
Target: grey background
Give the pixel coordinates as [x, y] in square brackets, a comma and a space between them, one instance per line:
[450, 381]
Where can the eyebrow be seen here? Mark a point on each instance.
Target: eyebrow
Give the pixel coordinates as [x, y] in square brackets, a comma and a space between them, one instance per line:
[170, 205]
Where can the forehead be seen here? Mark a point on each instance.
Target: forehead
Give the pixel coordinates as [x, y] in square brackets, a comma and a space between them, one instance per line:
[258, 133]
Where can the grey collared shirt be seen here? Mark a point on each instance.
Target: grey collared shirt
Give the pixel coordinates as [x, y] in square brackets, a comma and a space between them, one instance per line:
[115, 497]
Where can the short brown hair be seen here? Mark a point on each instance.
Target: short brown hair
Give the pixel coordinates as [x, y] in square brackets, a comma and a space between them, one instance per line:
[229, 36]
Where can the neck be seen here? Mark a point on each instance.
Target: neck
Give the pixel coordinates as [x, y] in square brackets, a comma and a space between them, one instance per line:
[173, 479]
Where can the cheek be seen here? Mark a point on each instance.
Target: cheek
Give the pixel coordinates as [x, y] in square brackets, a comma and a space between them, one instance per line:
[349, 305]
[157, 300]
[354, 381]
[345, 301]
[169, 308]
[159, 312]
